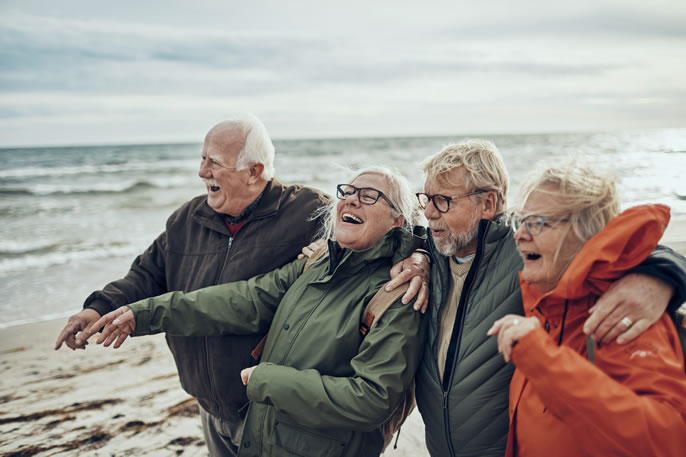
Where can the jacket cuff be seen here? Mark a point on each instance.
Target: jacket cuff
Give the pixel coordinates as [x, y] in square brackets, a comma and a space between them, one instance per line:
[141, 311]
[100, 306]
[526, 353]
[259, 379]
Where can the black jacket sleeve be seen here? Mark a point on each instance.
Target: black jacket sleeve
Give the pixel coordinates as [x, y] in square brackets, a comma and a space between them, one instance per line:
[670, 267]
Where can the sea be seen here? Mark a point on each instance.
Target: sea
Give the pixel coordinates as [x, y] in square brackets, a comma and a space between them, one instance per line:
[74, 218]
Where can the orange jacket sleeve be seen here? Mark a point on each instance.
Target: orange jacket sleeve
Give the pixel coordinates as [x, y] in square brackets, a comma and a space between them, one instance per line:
[631, 402]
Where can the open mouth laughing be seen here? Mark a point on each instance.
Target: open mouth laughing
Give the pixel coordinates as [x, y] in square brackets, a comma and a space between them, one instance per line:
[212, 185]
[531, 256]
[351, 219]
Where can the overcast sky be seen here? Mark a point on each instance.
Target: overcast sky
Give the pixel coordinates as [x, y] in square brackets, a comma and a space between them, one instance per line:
[84, 72]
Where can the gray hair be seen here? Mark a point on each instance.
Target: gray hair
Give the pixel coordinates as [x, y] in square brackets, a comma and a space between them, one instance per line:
[482, 163]
[258, 146]
[400, 194]
[587, 197]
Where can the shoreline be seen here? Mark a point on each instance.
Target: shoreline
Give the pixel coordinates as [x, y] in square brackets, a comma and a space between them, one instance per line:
[126, 401]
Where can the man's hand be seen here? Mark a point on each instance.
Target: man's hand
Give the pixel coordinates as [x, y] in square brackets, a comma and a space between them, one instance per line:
[118, 325]
[631, 305]
[77, 323]
[511, 329]
[312, 248]
[246, 373]
[414, 269]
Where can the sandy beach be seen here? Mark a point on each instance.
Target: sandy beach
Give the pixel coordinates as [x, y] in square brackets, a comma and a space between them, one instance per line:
[104, 402]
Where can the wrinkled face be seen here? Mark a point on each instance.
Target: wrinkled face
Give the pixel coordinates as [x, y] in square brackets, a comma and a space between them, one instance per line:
[454, 232]
[547, 254]
[361, 226]
[226, 187]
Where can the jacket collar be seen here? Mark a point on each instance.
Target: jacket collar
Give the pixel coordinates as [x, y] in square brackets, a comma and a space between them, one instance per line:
[395, 245]
[268, 205]
[489, 234]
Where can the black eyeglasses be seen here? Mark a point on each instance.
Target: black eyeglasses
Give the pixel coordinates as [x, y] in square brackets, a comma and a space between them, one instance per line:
[534, 223]
[367, 195]
[442, 202]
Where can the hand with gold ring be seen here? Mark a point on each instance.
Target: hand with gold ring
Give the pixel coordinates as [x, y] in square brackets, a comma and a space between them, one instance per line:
[511, 329]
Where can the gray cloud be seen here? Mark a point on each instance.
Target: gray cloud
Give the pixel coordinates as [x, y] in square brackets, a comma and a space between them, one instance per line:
[127, 63]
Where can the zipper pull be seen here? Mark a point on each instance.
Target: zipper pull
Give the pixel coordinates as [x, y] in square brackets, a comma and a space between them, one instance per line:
[230, 242]
[445, 400]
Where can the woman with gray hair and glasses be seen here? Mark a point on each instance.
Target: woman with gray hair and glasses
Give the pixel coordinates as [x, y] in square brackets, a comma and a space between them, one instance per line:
[323, 386]
[627, 400]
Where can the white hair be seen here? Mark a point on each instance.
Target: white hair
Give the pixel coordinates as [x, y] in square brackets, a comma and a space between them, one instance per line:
[258, 146]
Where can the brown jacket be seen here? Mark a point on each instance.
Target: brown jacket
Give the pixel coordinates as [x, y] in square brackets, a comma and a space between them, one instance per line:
[197, 250]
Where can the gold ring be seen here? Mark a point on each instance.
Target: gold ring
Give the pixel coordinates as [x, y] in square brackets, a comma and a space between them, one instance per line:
[626, 321]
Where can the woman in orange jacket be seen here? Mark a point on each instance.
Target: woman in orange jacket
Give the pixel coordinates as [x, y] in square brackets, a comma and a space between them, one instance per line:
[631, 400]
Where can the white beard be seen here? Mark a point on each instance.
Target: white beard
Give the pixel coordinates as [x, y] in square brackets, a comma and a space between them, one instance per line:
[451, 244]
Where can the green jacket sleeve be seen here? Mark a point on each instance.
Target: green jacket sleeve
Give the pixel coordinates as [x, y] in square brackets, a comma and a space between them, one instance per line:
[383, 369]
[242, 307]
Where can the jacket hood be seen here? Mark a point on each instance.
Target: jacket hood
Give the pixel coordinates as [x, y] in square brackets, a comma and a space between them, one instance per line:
[620, 246]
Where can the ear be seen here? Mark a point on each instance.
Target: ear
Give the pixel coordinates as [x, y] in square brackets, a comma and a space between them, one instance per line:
[255, 173]
[398, 221]
[489, 205]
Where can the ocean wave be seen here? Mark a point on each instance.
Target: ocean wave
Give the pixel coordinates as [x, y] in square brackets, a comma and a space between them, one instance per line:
[17, 248]
[131, 166]
[111, 187]
[44, 260]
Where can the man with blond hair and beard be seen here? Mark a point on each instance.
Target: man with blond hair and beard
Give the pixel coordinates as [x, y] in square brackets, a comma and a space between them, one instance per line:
[247, 224]
[462, 383]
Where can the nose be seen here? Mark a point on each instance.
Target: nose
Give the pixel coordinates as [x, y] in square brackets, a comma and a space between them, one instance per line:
[430, 212]
[522, 233]
[204, 171]
[353, 199]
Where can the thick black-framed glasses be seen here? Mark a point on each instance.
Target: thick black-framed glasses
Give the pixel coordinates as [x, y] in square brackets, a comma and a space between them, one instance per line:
[534, 223]
[367, 195]
[442, 202]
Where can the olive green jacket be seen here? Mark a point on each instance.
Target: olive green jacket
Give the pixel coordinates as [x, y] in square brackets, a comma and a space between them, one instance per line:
[320, 388]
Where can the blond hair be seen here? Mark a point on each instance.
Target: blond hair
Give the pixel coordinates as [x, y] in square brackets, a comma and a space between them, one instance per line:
[587, 197]
[483, 164]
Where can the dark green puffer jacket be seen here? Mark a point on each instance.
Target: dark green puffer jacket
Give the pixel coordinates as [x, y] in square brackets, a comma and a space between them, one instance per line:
[466, 414]
[320, 388]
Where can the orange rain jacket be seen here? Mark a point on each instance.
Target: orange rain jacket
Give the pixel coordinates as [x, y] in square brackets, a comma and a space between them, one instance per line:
[632, 401]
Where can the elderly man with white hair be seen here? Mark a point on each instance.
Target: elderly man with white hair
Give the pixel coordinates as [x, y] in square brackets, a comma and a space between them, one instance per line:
[247, 224]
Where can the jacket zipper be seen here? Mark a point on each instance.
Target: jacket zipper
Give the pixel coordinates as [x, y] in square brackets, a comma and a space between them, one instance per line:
[457, 335]
[207, 348]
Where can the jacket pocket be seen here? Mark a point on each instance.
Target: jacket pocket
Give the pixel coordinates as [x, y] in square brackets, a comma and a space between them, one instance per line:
[305, 443]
